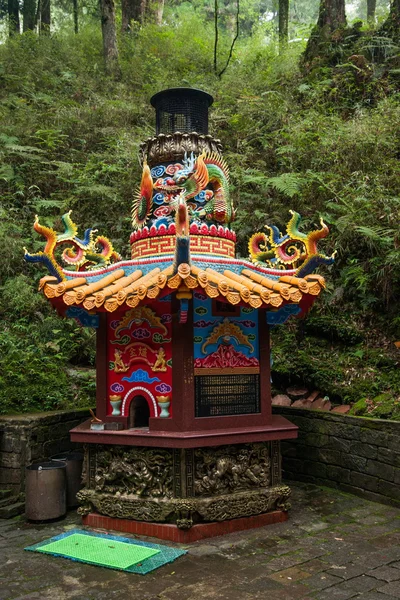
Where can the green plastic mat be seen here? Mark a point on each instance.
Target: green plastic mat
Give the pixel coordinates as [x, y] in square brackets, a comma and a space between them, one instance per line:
[107, 550]
[99, 551]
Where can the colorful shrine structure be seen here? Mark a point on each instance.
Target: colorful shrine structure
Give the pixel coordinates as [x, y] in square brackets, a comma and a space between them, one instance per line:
[184, 444]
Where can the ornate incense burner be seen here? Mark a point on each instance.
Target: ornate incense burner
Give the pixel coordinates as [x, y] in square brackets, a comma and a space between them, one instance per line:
[183, 360]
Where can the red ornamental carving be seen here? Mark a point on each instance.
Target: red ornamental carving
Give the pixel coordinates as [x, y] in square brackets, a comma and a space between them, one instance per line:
[225, 356]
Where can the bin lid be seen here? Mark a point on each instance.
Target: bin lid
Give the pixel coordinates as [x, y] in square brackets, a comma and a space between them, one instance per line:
[67, 456]
[47, 466]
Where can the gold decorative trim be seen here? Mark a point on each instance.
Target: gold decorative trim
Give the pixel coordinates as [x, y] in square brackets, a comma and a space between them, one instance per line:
[162, 245]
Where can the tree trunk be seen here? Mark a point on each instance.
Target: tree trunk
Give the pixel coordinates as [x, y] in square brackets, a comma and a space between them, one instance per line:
[29, 15]
[371, 9]
[132, 10]
[75, 11]
[332, 14]
[110, 48]
[323, 47]
[283, 24]
[154, 11]
[391, 27]
[13, 17]
[45, 17]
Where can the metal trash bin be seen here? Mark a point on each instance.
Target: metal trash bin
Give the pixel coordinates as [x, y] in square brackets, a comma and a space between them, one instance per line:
[74, 462]
[45, 490]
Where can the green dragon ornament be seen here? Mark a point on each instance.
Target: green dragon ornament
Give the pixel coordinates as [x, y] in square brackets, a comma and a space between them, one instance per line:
[293, 251]
[207, 174]
[80, 254]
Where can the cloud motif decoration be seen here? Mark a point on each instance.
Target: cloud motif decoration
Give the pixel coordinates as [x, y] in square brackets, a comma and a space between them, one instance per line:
[117, 388]
[200, 296]
[140, 376]
[158, 198]
[159, 339]
[163, 388]
[140, 333]
[247, 323]
[157, 171]
[203, 323]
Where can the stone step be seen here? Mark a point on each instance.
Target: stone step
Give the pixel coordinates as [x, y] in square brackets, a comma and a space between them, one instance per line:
[5, 494]
[12, 510]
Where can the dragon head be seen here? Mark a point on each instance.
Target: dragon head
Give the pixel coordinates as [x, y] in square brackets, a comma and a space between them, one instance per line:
[180, 177]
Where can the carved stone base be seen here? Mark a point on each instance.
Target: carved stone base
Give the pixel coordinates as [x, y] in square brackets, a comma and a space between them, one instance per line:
[183, 486]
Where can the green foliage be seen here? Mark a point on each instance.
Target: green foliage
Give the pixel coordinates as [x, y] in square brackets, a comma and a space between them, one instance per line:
[325, 144]
[35, 345]
[335, 353]
[383, 406]
[333, 329]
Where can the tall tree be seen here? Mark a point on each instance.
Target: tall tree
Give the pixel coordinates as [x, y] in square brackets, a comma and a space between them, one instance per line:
[283, 14]
[110, 47]
[371, 10]
[391, 27]
[44, 17]
[332, 15]
[75, 13]
[29, 15]
[216, 34]
[154, 11]
[326, 36]
[13, 17]
[132, 10]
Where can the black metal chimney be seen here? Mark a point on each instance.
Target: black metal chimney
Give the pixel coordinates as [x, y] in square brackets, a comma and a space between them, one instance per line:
[181, 109]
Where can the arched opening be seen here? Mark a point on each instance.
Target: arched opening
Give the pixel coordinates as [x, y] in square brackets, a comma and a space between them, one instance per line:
[139, 413]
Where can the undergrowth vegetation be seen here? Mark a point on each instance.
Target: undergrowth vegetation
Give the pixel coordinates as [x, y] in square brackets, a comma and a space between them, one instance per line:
[326, 144]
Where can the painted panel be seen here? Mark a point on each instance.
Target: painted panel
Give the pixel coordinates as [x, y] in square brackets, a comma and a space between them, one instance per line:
[139, 355]
[224, 341]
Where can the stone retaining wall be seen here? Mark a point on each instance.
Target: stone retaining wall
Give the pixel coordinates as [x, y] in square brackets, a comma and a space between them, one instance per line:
[355, 454]
[25, 439]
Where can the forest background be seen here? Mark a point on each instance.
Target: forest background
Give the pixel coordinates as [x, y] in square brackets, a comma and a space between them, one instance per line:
[308, 111]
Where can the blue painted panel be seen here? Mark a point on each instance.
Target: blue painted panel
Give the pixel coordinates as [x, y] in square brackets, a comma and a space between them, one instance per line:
[204, 322]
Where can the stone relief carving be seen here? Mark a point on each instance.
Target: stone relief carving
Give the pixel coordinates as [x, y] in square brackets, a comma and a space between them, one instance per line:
[172, 147]
[125, 506]
[244, 504]
[150, 484]
[232, 468]
[138, 471]
[185, 512]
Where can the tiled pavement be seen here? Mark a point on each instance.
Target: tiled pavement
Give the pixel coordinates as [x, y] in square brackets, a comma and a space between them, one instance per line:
[333, 547]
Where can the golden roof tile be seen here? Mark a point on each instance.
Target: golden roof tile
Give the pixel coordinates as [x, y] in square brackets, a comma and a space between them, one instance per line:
[116, 288]
[110, 290]
[281, 288]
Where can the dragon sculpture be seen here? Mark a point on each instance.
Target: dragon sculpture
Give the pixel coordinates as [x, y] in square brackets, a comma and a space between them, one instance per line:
[143, 200]
[83, 254]
[294, 250]
[208, 172]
